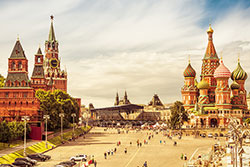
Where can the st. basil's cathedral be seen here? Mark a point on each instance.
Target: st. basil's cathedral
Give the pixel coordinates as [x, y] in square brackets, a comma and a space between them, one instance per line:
[211, 102]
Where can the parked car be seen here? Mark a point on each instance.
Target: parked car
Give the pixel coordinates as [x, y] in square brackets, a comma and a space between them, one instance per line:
[22, 163]
[210, 135]
[27, 159]
[6, 165]
[203, 135]
[67, 163]
[80, 157]
[39, 157]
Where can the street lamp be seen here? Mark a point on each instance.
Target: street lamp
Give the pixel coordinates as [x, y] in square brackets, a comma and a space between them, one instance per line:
[46, 117]
[73, 115]
[238, 136]
[25, 119]
[61, 115]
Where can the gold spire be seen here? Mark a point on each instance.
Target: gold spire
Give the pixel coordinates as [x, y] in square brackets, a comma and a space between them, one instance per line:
[189, 59]
[210, 30]
[238, 57]
[17, 37]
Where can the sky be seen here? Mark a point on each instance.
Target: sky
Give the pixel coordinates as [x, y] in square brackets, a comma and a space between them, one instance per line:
[142, 46]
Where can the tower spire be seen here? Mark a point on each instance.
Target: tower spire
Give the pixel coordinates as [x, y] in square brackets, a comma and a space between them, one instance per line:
[52, 36]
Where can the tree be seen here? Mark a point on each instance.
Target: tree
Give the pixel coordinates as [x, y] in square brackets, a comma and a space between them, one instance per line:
[53, 103]
[10, 131]
[2, 80]
[178, 115]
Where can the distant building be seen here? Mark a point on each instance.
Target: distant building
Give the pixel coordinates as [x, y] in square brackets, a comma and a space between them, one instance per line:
[123, 101]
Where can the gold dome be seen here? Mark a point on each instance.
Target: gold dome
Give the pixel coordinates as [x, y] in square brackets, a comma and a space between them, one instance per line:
[210, 30]
[203, 84]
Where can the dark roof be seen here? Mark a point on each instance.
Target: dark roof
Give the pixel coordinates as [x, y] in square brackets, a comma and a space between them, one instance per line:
[39, 52]
[17, 52]
[52, 36]
[12, 77]
[155, 101]
[38, 71]
[120, 107]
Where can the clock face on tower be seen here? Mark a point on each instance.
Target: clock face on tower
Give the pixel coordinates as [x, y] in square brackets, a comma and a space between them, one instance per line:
[54, 63]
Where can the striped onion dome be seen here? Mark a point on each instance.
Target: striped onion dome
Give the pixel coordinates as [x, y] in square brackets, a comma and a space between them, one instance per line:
[235, 85]
[203, 84]
[189, 71]
[222, 71]
[239, 73]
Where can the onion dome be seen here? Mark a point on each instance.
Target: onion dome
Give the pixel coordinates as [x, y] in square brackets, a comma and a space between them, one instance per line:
[239, 73]
[222, 71]
[235, 85]
[210, 30]
[203, 84]
[189, 71]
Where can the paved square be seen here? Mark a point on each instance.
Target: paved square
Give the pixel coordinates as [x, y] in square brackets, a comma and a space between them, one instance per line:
[157, 155]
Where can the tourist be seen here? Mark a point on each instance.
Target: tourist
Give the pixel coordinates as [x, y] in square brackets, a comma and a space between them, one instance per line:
[125, 150]
[108, 152]
[95, 163]
[185, 157]
[175, 143]
[131, 143]
[145, 164]
[182, 156]
[115, 150]
[105, 155]
[112, 152]
[160, 141]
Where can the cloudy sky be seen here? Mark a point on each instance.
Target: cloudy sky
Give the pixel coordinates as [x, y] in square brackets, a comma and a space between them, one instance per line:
[141, 46]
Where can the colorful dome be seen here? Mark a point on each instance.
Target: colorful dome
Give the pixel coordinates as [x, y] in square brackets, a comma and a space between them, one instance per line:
[210, 30]
[189, 71]
[235, 85]
[203, 84]
[239, 73]
[222, 71]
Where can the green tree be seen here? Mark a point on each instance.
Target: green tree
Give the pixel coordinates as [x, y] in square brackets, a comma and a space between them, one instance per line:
[53, 103]
[178, 115]
[2, 80]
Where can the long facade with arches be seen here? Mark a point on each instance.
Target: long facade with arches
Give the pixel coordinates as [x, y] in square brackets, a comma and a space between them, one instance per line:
[212, 101]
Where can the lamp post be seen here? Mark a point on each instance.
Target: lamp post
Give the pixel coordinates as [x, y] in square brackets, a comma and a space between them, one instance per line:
[61, 115]
[238, 136]
[46, 117]
[73, 115]
[25, 119]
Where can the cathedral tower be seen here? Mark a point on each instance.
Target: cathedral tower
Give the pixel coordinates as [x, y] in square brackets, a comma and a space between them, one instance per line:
[189, 91]
[239, 75]
[209, 63]
[222, 91]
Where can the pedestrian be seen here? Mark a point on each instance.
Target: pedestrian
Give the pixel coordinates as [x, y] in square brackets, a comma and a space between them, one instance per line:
[185, 157]
[181, 156]
[131, 143]
[145, 164]
[105, 155]
[140, 144]
[112, 152]
[125, 150]
[108, 152]
[160, 141]
[115, 150]
[95, 163]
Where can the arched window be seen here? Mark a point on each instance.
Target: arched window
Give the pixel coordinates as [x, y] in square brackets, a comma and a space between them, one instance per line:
[27, 103]
[39, 59]
[20, 65]
[13, 66]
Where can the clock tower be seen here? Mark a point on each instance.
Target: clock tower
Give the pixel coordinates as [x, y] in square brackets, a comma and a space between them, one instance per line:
[53, 73]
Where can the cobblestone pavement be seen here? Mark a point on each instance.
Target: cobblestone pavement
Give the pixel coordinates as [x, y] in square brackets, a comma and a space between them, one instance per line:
[157, 155]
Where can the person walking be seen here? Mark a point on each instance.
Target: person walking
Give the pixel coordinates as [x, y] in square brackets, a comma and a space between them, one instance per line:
[115, 150]
[185, 157]
[95, 163]
[125, 150]
[145, 164]
[105, 155]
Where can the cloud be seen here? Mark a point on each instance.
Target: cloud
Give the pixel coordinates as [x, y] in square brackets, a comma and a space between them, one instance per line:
[118, 45]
